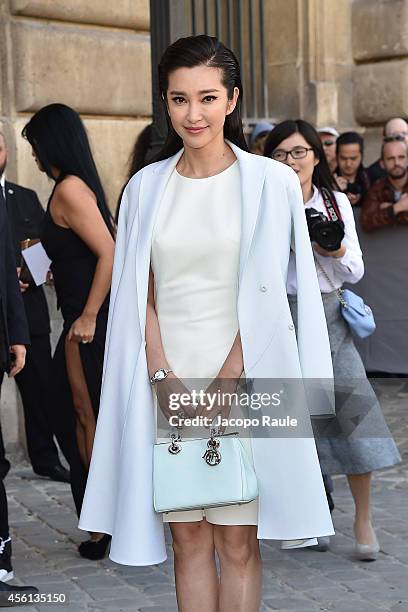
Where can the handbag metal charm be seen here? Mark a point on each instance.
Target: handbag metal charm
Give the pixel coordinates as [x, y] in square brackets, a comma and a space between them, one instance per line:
[212, 455]
[174, 448]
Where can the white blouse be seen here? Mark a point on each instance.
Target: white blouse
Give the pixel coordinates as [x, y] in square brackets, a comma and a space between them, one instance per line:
[350, 267]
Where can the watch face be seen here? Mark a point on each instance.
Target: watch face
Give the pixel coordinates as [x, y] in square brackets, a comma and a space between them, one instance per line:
[160, 375]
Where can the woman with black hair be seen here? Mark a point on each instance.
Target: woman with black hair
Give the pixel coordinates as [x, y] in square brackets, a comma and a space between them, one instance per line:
[360, 441]
[78, 237]
[198, 293]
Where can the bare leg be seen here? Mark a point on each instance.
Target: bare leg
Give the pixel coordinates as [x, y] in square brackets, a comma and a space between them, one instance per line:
[241, 568]
[194, 566]
[85, 418]
[360, 486]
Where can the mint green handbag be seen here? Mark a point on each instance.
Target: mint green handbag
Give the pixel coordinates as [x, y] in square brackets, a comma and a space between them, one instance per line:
[200, 473]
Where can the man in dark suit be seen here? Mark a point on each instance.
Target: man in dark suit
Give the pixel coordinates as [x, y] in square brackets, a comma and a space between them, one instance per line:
[14, 335]
[25, 215]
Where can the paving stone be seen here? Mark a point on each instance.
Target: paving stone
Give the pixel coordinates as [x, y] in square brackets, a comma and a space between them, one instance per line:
[100, 581]
[401, 606]
[158, 609]
[290, 603]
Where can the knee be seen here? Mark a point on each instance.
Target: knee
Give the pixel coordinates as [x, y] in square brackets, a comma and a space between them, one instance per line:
[237, 551]
[190, 541]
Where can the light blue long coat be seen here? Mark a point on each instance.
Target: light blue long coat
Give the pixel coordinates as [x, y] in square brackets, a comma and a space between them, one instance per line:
[292, 500]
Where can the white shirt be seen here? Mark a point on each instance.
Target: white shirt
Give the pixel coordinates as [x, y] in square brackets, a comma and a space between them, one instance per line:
[3, 184]
[350, 267]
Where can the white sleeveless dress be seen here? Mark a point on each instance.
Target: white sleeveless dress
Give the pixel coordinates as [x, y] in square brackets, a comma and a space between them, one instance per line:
[195, 262]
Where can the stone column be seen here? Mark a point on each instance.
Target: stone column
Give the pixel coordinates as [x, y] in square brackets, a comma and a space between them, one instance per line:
[309, 60]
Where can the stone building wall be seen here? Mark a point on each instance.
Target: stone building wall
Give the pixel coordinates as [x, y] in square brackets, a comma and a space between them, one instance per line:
[91, 55]
[339, 62]
[380, 72]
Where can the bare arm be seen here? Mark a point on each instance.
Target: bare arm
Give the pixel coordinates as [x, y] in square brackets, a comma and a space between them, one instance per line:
[234, 364]
[156, 358]
[76, 207]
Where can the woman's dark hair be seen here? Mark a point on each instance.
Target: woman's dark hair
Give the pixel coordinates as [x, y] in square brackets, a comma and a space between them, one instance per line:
[140, 149]
[137, 160]
[322, 177]
[195, 51]
[59, 139]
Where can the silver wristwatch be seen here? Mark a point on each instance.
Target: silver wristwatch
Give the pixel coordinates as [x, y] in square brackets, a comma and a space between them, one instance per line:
[159, 375]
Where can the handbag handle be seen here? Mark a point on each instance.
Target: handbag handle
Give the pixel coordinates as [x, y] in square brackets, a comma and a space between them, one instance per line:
[212, 455]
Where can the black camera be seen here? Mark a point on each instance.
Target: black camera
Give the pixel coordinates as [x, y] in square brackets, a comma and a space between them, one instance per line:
[327, 234]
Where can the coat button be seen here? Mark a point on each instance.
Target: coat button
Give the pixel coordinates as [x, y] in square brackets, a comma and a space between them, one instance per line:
[263, 288]
[291, 326]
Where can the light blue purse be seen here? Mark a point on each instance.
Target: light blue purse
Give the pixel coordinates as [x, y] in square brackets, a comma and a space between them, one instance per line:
[193, 474]
[358, 315]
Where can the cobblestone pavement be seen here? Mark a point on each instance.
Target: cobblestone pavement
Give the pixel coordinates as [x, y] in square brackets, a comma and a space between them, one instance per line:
[45, 536]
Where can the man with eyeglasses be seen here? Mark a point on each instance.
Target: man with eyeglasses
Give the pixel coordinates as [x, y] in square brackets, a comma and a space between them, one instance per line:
[395, 129]
[328, 136]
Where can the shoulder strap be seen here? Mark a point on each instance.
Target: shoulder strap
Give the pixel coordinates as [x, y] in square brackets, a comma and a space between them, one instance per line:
[338, 292]
[330, 205]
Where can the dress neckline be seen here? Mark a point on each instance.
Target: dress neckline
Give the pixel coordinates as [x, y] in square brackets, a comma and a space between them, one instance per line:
[206, 178]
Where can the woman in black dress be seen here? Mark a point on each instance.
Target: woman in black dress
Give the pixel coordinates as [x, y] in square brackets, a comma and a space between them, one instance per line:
[78, 237]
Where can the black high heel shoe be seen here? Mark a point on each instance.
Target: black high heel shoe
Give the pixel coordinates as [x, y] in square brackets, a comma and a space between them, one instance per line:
[94, 550]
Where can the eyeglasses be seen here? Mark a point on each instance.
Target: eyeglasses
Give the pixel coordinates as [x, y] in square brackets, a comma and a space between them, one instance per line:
[296, 153]
[395, 138]
[328, 143]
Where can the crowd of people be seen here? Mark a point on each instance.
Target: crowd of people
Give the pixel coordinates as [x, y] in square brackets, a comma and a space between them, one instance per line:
[207, 261]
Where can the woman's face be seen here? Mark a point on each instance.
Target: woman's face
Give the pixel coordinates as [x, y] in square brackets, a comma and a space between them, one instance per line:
[303, 167]
[198, 103]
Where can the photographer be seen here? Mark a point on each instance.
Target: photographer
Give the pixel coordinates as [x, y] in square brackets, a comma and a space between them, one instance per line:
[350, 174]
[338, 259]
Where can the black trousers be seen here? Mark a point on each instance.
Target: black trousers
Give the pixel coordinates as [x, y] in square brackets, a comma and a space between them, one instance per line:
[34, 383]
[4, 468]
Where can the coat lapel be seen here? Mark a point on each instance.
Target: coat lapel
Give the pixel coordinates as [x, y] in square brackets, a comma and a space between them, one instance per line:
[153, 184]
[252, 169]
